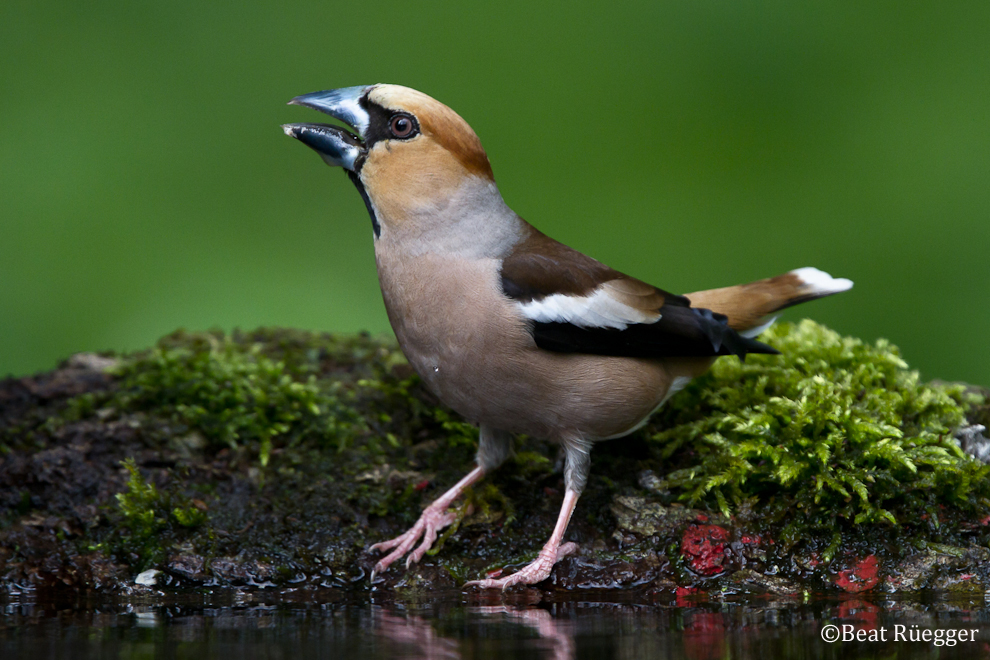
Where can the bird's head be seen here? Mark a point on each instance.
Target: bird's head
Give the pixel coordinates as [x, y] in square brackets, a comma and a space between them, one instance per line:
[408, 153]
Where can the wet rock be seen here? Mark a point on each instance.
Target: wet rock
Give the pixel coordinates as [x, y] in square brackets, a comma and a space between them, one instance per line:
[959, 584]
[148, 578]
[103, 574]
[426, 577]
[188, 567]
[589, 573]
[749, 547]
[230, 570]
[39, 559]
[771, 584]
[941, 567]
[912, 573]
[637, 515]
[648, 518]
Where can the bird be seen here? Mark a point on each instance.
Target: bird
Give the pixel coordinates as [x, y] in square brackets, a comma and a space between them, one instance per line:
[513, 330]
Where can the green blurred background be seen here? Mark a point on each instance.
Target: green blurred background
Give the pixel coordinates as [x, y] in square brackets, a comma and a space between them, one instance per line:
[145, 183]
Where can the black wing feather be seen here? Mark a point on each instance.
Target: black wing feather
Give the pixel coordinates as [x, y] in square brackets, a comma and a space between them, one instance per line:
[543, 267]
[681, 332]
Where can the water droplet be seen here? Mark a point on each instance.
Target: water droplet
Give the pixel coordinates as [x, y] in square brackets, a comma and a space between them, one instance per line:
[436, 369]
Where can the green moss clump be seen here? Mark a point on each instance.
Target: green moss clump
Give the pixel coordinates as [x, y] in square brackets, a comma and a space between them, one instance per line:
[138, 505]
[229, 394]
[829, 434]
[146, 515]
[269, 389]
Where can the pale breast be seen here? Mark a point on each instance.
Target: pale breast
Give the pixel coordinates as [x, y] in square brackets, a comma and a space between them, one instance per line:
[473, 349]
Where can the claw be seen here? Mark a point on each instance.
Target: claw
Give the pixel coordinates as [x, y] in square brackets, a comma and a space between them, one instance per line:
[537, 571]
[426, 528]
[434, 518]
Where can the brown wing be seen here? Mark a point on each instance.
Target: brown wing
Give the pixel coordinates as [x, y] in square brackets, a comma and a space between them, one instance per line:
[577, 304]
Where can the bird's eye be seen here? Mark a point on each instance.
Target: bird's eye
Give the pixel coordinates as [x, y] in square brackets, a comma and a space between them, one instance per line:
[402, 126]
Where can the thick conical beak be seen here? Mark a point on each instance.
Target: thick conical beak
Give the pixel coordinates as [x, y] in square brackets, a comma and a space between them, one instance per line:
[343, 104]
[337, 146]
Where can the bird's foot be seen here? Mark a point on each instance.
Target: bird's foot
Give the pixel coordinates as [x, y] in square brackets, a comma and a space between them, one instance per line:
[432, 520]
[535, 572]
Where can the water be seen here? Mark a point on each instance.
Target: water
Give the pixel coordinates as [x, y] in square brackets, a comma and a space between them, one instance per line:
[332, 624]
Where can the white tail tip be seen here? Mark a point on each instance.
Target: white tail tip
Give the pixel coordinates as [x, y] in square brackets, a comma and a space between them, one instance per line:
[820, 282]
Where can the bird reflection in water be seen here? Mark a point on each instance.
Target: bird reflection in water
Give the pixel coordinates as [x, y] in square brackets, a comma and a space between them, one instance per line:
[417, 638]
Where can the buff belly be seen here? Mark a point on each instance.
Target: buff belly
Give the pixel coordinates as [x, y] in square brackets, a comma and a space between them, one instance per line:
[485, 365]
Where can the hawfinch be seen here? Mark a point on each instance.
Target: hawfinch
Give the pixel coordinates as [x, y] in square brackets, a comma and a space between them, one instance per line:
[513, 330]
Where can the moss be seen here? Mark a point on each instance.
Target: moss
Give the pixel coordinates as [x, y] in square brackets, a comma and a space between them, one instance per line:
[146, 516]
[280, 455]
[138, 506]
[259, 392]
[231, 395]
[830, 434]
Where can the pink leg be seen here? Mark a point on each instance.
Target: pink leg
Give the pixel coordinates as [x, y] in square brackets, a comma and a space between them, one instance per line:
[434, 518]
[551, 553]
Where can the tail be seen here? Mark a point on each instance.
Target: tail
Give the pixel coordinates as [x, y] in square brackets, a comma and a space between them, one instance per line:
[749, 305]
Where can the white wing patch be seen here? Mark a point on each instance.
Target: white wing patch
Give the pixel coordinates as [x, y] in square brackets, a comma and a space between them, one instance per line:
[599, 310]
[818, 281]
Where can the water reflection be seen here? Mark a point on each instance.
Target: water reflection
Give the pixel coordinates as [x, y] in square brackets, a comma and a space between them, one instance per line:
[415, 637]
[557, 635]
[447, 626]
